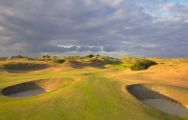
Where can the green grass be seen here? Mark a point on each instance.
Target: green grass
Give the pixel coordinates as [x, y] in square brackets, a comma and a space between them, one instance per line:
[93, 97]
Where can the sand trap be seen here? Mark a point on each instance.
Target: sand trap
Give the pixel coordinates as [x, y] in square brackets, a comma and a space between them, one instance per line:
[157, 100]
[27, 93]
[32, 88]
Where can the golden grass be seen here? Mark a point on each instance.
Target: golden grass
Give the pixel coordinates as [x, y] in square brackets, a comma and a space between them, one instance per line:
[168, 72]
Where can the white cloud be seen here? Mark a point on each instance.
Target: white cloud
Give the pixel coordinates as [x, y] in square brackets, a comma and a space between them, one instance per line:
[2, 28]
[186, 21]
[65, 46]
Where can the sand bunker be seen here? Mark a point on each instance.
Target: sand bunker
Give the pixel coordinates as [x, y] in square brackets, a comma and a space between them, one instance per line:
[32, 88]
[175, 92]
[157, 100]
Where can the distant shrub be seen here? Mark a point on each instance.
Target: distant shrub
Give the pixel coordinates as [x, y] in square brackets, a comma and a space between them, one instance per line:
[90, 56]
[46, 56]
[18, 57]
[142, 64]
[59, 61]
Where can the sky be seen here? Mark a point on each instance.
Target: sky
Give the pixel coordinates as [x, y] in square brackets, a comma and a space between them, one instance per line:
[150, 28]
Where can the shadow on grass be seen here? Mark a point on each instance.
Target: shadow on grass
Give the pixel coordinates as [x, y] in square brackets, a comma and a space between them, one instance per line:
[23, 67]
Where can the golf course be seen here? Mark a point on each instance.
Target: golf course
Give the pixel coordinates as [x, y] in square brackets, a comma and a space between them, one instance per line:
[93, 59]
[93, 87]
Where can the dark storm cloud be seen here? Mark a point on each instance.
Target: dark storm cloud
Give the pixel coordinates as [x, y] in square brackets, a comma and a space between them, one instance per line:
[116, 27]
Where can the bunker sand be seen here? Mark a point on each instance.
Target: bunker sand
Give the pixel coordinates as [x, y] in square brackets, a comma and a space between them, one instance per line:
[157, 100]
[32, 88]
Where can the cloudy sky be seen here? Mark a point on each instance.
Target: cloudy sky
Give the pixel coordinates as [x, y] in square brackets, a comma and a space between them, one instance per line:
[114, 27]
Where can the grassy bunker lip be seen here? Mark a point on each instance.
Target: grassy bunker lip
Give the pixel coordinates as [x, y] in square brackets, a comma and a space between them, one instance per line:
[32, 88]
[156, 100]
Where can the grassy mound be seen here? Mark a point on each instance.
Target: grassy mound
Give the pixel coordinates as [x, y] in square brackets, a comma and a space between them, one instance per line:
[138, 63]
[142, 64]
[100, 61]
[90, 60]
[20, 66]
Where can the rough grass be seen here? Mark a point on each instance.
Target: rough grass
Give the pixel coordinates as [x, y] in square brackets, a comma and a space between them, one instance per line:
[142, 64]
[135, 63]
